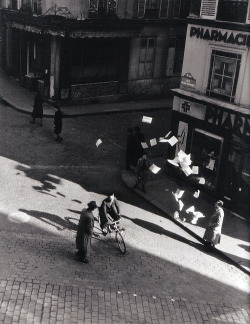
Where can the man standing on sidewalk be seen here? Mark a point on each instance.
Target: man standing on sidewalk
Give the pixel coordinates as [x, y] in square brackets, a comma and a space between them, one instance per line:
[212, 234]
[142, 170]
[37, 109]
[85, 231]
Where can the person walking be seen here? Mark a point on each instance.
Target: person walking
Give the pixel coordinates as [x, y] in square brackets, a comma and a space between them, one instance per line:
[85, 231]
[142, 171]
[140, 139]
[58, 124]
[212, 234]
[37, 109]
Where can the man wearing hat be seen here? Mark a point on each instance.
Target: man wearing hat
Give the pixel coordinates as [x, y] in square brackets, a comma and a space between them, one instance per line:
[85, 231]
[212, 234]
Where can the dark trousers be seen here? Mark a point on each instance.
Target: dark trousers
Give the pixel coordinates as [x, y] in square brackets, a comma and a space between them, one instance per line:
[104, 219]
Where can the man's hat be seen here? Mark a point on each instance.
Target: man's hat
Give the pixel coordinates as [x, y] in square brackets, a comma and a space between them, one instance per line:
[92, 204]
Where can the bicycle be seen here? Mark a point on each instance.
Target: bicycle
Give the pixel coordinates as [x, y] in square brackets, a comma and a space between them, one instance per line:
[113, 227]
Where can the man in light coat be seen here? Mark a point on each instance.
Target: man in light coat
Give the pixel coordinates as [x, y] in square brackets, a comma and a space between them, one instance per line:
[212, 235]
[85, 231]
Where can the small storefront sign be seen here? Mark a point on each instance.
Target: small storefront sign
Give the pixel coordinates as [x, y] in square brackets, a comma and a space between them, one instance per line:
[185, 106]
[188, 81]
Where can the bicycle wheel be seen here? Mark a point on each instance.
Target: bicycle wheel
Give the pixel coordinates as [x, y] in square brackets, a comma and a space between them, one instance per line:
[120, 241]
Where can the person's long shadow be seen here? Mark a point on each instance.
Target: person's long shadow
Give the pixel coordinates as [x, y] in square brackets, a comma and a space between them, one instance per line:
[162, 231]
[59, 223]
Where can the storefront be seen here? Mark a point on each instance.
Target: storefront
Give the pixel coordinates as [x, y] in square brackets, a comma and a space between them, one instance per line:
[217, 137]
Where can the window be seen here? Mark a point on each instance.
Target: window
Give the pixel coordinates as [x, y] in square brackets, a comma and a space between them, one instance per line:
[147, 57]
[14, 4]
[148, 9]
[102, 7]
[206, 154]
[223, 76]
[232, 10]
[170, 8]
[37, 7]
[225, 10]
[175, 55]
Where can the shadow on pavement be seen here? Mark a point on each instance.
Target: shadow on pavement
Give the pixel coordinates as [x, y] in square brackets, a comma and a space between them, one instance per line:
[53, 220]
[161, 231]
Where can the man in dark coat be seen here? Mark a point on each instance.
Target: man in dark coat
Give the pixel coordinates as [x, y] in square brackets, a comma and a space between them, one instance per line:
[58, 124]
[142, 170]
[37, 109]
[85, 231]
[109, 207]
[140, 139]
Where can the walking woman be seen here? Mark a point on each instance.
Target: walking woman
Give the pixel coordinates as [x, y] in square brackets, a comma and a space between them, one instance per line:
[58, 124]
[212, 234]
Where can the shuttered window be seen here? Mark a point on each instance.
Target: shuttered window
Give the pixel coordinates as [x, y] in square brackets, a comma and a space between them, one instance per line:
[208, 9]
[248, 13]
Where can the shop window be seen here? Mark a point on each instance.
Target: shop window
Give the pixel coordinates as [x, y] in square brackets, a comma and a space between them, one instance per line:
[33, 59]
[147, 57]
[206, 153]
[223, 76]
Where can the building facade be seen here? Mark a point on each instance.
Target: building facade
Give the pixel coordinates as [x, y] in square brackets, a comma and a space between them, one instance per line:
[95, 50]
[211, 111]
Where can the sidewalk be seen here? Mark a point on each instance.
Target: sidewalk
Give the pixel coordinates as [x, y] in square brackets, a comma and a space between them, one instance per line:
[235, 242]
[23, 101]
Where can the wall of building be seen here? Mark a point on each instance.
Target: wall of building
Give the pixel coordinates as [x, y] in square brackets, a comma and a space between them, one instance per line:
[198, 65]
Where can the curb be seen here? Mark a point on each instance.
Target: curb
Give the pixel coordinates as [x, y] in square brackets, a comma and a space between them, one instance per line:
[75, 115]
[197, 237]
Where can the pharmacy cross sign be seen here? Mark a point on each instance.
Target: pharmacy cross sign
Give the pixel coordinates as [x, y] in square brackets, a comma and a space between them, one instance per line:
[185, 106]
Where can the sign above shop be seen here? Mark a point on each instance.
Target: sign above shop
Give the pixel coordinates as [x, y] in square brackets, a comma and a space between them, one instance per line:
[221, 36]
[188, 81]
[237, 124]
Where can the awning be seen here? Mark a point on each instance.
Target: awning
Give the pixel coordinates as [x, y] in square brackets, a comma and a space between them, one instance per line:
[195, 97]
[32, 29]
[37, 30]
[100, 34]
